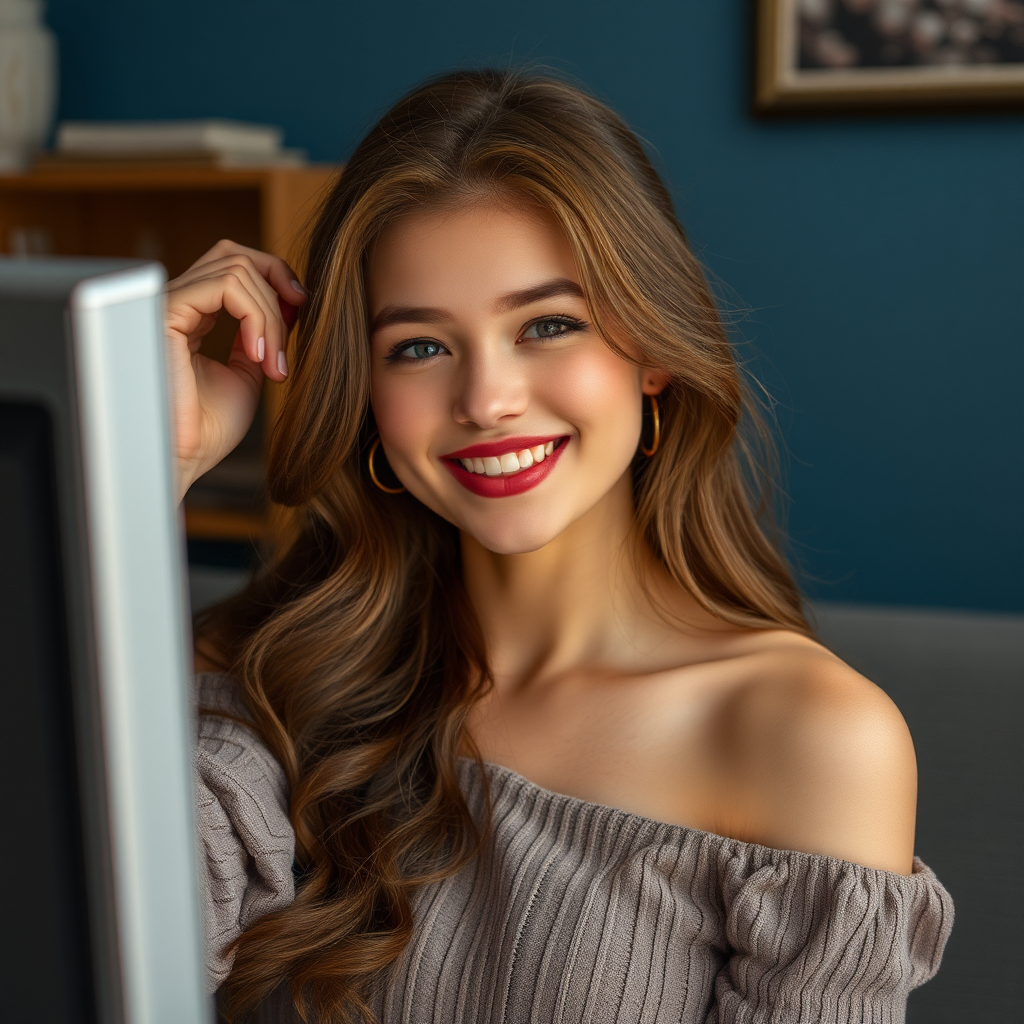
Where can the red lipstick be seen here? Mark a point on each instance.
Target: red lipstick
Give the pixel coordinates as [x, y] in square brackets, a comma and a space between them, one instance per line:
[506, 444]
[504, 486]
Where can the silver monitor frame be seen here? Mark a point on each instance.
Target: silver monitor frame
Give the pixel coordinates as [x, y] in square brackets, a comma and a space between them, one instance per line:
[121, 541]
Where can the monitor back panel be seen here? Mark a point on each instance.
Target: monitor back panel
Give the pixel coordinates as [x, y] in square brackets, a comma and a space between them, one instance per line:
[46, 912]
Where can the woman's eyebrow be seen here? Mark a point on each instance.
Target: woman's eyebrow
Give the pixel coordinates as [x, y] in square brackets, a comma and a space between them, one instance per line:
[506, 304]
[547, 290]
[409, 315]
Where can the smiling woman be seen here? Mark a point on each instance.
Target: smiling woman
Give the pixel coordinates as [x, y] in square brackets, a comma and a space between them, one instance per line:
[543, 727]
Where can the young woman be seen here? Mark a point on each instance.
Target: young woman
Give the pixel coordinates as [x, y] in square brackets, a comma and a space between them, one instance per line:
[529, 702]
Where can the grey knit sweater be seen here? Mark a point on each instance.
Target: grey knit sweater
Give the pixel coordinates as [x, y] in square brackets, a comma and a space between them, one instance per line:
[580, 912]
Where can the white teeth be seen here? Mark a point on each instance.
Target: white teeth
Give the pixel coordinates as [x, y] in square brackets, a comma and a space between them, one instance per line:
[509, 462]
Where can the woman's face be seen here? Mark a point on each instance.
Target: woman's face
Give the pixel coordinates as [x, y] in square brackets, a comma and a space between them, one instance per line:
[498, 404]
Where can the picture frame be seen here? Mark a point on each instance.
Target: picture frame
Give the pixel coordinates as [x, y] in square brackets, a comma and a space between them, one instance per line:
[872, 55]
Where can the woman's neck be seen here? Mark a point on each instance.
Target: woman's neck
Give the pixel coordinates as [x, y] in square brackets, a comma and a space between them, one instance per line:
[576, 603]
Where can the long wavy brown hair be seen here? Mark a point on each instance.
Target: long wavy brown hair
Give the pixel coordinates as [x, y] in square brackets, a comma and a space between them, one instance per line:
[356, 649]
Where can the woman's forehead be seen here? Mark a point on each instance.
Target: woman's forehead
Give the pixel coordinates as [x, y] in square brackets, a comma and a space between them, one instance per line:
[471, 254]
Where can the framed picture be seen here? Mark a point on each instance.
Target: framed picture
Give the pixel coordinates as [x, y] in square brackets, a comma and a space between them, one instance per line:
[870, 54]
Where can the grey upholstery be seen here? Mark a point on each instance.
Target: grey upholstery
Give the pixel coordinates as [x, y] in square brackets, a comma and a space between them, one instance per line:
[958, 678]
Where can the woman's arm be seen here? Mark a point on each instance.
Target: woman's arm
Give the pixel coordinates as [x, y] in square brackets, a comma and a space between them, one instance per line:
[246, 841]
[822, 763]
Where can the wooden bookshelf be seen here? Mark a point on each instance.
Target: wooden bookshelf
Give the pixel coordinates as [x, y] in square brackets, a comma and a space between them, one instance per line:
[173, 214]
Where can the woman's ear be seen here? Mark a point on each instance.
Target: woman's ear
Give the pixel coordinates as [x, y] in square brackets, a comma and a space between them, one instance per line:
[653, 382]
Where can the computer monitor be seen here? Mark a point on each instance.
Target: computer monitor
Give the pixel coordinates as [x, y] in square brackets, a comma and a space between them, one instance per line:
[101, 920]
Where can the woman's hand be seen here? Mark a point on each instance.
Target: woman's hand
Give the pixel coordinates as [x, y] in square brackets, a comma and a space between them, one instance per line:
[213, 404]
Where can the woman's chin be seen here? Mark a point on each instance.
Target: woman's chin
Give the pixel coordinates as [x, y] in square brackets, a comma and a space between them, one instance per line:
[517, 537]
[525, 526]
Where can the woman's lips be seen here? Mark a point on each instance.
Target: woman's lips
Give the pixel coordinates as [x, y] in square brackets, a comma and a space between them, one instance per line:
[504, 486]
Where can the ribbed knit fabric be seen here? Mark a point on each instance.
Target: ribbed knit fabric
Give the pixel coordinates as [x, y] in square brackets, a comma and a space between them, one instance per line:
[247, 842]
[578, 912]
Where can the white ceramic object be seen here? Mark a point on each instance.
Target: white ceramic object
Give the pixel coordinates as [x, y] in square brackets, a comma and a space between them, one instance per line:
[28, 81]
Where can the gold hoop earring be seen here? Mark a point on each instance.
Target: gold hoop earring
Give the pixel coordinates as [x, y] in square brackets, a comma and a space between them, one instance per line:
[657, 429]
[373, 472]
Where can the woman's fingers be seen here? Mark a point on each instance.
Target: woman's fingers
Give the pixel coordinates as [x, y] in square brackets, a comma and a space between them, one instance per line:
[226, 285]
[270, 277]
[272, 268]
[239, 361]
[189, 304]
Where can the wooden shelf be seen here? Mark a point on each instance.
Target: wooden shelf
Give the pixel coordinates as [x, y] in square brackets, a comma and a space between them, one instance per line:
[149, 176]
[225, 524]
[172, 214]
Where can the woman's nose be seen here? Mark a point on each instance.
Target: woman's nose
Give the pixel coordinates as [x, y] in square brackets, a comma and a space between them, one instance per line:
[489, 388]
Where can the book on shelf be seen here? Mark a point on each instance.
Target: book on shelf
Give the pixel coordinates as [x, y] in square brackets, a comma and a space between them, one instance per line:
[110, 138]
[227, 159]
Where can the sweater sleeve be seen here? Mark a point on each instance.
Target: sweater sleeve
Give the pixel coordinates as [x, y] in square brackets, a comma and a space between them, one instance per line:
[246, 842]
[816, 939]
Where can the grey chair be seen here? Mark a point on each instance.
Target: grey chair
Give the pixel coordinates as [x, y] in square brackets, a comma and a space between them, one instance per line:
[958, 678]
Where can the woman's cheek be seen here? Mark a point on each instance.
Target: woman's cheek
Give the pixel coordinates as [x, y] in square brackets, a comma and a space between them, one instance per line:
[408, 410]
[596, 391]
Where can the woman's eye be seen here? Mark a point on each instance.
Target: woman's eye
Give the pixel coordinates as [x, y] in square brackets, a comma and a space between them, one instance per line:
[553, 327]
[415, 350]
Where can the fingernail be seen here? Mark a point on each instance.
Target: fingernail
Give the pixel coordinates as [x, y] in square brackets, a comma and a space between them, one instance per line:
[298, 287]
[261, 348]
[282, 364]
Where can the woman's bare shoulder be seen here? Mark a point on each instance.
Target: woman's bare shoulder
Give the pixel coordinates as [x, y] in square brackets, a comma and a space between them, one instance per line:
[815, 757]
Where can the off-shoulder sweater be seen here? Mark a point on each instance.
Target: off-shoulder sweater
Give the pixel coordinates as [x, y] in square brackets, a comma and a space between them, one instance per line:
[580, 912]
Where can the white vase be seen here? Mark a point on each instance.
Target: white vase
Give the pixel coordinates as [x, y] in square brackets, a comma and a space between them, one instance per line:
[28, 81]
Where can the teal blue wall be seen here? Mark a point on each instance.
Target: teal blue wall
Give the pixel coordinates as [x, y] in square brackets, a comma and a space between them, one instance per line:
[882, 261]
